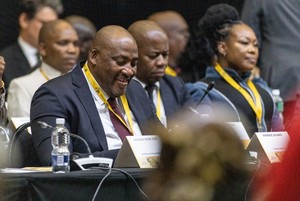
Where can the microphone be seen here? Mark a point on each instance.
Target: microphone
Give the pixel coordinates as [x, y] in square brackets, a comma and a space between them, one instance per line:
[83, 163]
[210, 86]
[45, 125]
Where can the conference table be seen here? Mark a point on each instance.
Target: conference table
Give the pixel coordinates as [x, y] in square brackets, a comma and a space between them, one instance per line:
[77, 185]
[119, 185]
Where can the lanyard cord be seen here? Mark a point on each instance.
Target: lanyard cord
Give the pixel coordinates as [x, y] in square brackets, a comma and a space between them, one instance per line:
[99, 92]
[44, 74]
[255, 103]
[158, 105]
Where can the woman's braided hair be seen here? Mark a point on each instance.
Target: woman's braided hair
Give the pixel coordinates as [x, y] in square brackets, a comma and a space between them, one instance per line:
[213, 27]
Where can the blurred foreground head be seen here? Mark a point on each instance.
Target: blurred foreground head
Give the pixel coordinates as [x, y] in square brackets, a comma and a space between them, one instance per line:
[200, 162]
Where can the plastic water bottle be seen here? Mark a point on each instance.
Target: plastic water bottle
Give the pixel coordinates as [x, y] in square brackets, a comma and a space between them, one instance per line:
[278, 101]
[60, 142]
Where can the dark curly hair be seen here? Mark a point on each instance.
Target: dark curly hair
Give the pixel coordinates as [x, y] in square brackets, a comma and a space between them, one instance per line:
[201, 48]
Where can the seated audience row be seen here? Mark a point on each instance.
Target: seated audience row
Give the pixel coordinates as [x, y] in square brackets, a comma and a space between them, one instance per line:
[121, 87]
[227, 36]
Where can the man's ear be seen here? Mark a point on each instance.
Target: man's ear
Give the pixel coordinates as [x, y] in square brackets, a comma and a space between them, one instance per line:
[222, 48]
[23, 21]
[42, 49]
[93, 54]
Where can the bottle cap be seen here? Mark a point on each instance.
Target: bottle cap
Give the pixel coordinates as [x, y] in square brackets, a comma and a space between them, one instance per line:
[276, 92]
[60, 121]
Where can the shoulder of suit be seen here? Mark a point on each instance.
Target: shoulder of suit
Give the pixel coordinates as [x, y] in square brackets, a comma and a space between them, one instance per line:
[199, 85]
[11, 48]
[172, 80]
[28, 77]
[134, 84]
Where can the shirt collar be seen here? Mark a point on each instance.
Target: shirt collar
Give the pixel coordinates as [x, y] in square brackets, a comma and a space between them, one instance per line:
[143, 84]
[50, 71]
[29, 51]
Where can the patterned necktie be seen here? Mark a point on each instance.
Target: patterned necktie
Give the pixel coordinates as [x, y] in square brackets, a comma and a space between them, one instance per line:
[121, 129]
[150, 89]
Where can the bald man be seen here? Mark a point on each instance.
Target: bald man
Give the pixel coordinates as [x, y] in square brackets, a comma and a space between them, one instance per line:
[86, 32]
[168, 93]
[177, 31]
[58, 46]
[85, 97]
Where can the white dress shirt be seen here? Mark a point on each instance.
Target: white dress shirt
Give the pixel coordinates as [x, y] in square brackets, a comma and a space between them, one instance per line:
[112, 137]
[162, 116]
[29, 51]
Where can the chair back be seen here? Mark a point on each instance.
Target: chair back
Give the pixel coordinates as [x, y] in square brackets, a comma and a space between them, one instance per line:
[21, 149]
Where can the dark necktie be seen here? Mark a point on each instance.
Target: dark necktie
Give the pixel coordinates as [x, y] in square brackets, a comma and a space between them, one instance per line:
[38, 59]
[150, 89]
[121, 129]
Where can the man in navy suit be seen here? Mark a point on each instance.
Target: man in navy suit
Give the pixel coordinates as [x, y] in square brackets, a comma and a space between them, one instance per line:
[82, 98]
[22, 56]
[168, 93]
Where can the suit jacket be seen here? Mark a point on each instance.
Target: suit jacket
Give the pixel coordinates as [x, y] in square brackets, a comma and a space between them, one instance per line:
[226, 104]
[275, 23]
[16, 63]
[174, 95]
[69, 97]
[22, 89]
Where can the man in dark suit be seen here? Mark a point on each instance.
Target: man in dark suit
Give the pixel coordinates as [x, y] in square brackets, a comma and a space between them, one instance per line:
[22, 56]
[83, 97]
[168, 93]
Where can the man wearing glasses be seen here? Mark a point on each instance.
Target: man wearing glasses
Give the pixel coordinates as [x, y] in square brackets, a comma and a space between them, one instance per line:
[22, 56]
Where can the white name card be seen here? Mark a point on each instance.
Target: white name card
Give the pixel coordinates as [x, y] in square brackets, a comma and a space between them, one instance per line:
[139, 151]
[270, 146]
[240, 130]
